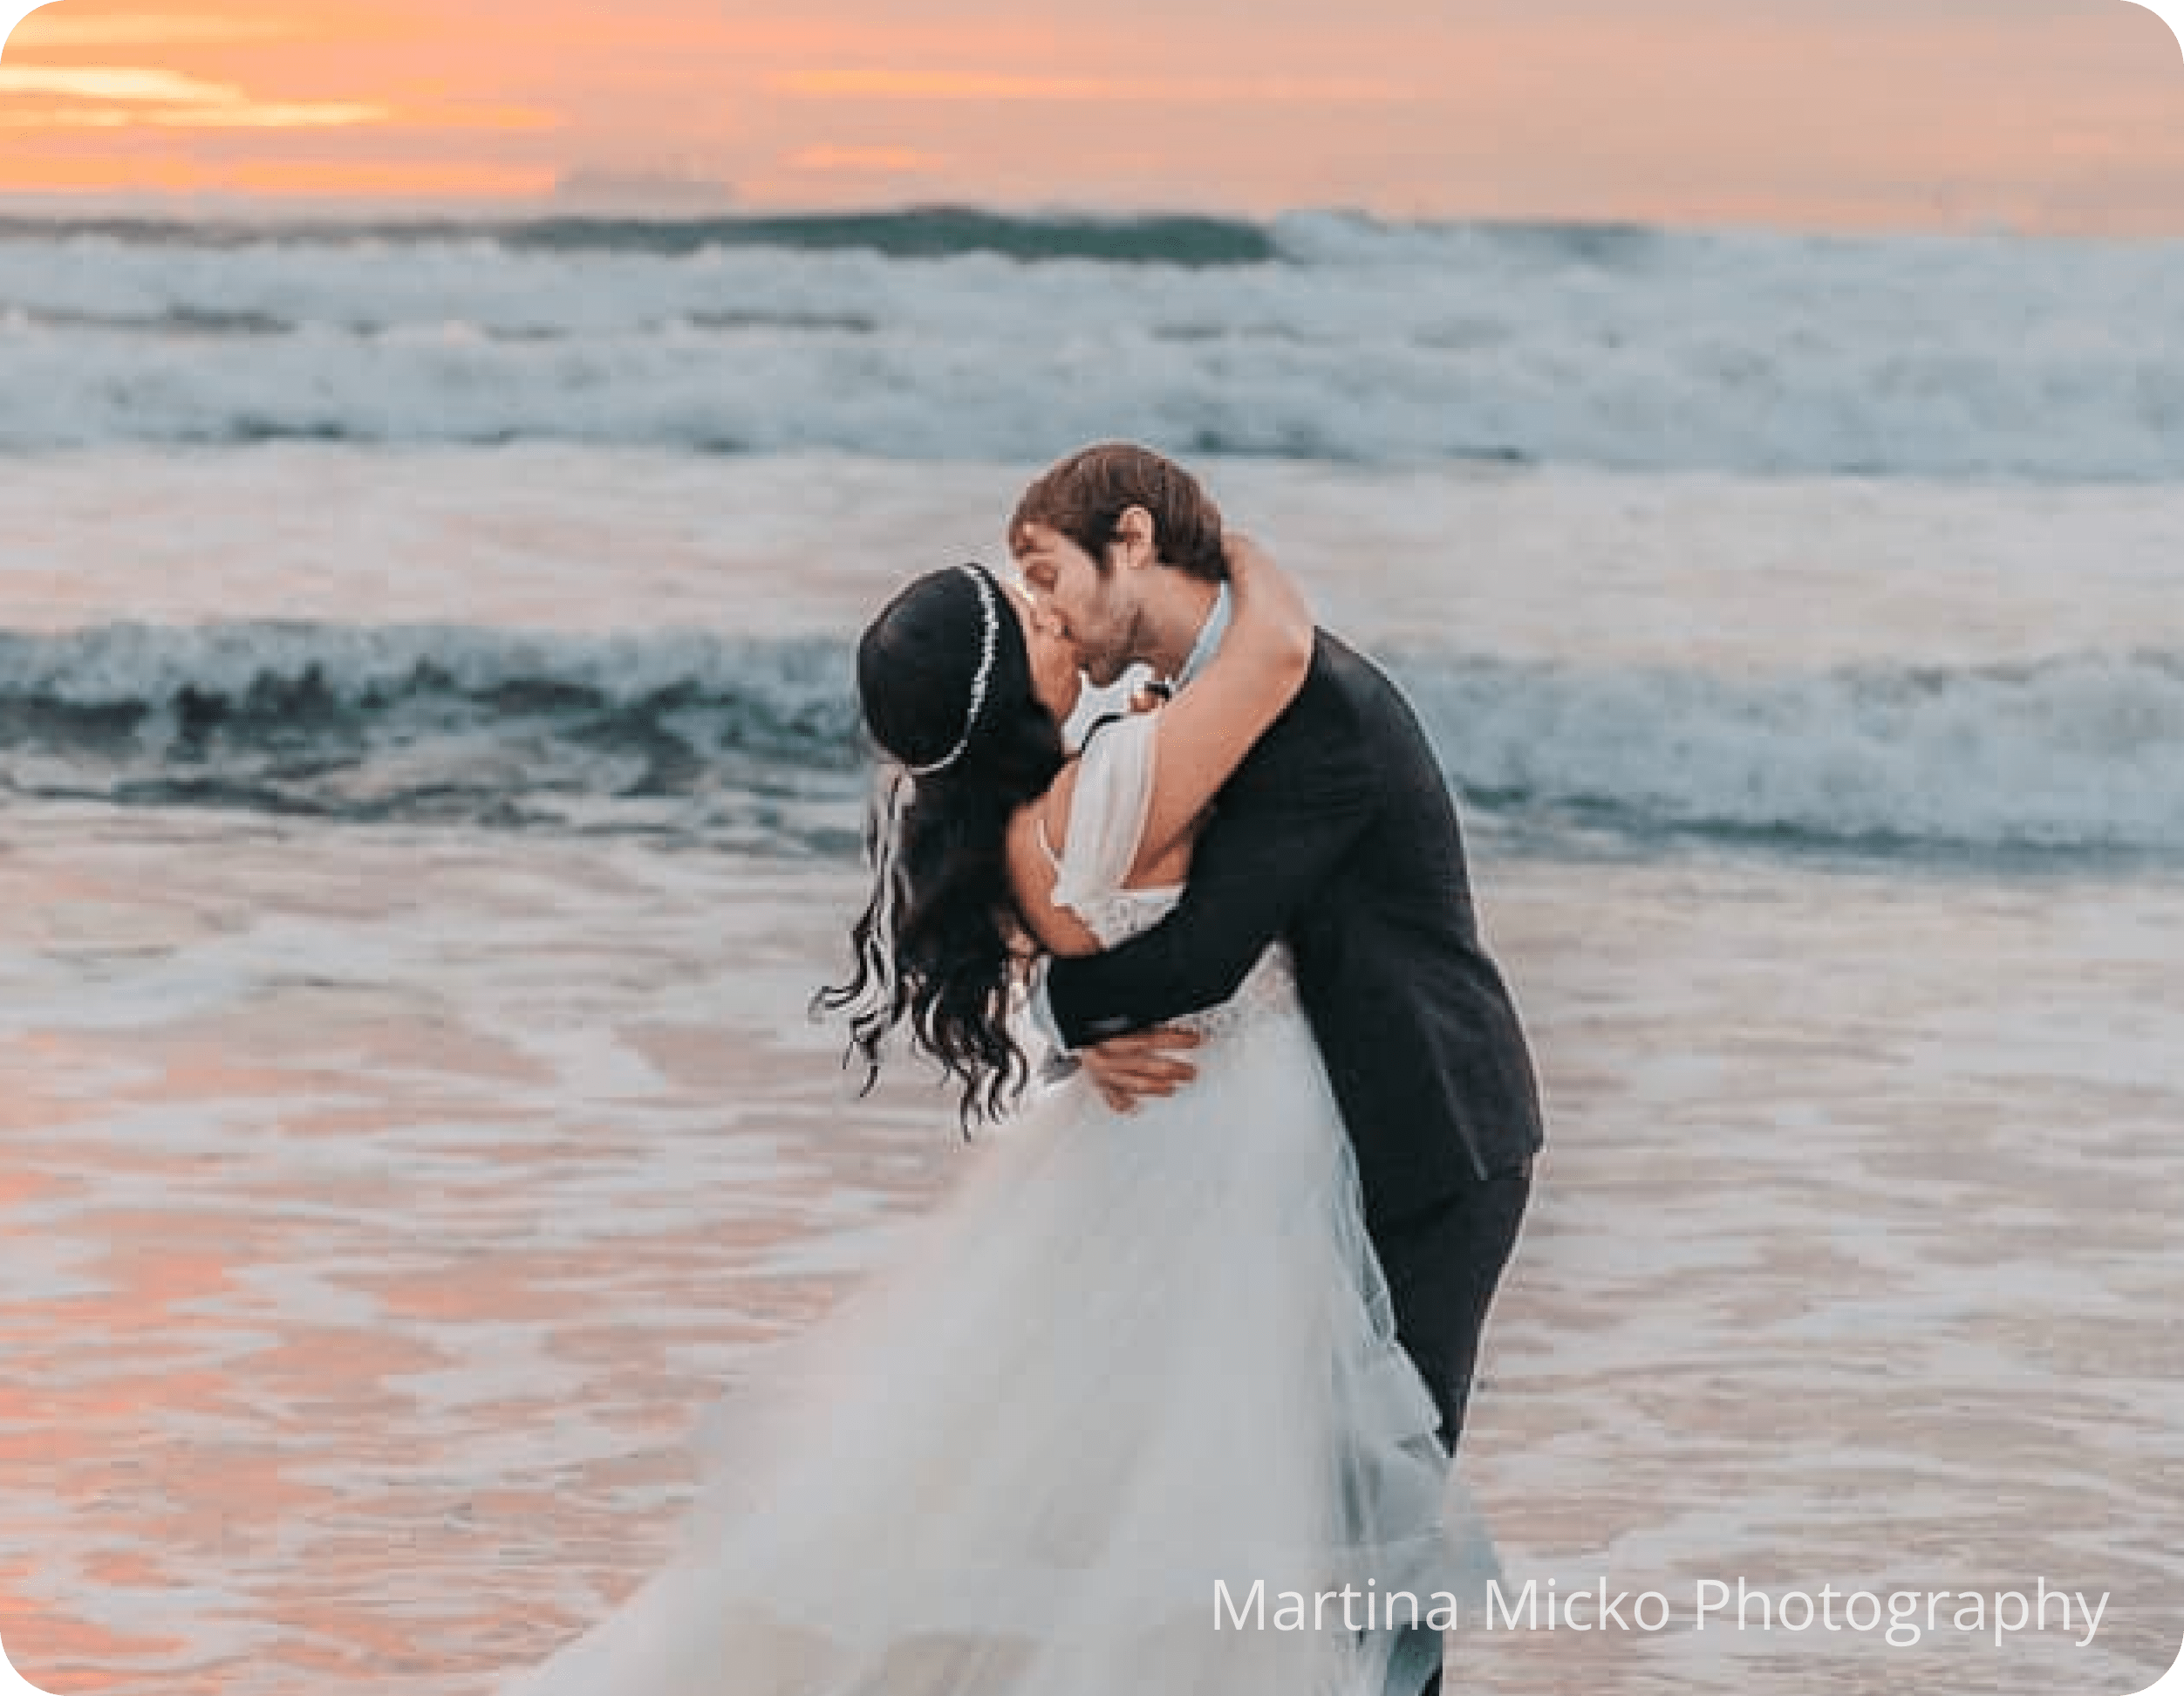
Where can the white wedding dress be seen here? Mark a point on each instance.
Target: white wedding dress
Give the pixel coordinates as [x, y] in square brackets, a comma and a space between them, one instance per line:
[1130, 1357]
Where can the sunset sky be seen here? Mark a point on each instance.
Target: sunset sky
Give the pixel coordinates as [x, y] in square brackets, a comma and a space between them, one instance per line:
[2041, 114]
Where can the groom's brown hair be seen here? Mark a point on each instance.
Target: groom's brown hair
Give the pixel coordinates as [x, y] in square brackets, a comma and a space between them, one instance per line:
[1085, 495]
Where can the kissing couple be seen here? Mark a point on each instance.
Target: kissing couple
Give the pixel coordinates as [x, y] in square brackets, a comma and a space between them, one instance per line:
[1197, 1326]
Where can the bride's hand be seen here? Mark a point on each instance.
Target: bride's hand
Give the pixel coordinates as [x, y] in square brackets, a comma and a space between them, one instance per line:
[1129, 1070]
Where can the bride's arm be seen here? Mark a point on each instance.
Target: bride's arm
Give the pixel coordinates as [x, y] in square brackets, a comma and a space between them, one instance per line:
[1203, 734]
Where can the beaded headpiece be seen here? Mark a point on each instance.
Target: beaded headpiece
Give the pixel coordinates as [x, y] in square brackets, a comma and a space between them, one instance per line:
[981, 681]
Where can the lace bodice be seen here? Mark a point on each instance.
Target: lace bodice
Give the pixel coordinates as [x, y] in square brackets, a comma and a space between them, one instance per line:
[1107, 821]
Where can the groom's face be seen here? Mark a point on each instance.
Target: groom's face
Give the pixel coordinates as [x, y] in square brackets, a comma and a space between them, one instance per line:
[1090, 605]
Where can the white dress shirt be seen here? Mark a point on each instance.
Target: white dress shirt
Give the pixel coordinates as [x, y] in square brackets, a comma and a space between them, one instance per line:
[1209, 642]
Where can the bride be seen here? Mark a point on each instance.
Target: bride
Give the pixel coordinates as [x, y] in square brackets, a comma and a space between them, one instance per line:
[1126, 1415]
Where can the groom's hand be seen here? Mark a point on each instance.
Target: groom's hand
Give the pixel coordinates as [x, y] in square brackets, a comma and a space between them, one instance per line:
[1126, 1070]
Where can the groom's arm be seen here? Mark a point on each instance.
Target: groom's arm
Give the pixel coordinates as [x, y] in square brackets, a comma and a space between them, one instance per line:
[1298, 806]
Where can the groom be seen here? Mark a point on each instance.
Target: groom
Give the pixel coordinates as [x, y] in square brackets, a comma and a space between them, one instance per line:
[1338, 835]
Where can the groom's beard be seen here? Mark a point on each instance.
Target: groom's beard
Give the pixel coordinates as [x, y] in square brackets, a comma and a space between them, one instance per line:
[1106, 664]
[1102, 670]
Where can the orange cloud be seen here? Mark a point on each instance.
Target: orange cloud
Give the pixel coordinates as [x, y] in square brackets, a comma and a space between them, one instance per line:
[101, 82]
[166, 100]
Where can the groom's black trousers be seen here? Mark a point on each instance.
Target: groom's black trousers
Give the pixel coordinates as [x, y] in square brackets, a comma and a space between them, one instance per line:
[1441, 1267]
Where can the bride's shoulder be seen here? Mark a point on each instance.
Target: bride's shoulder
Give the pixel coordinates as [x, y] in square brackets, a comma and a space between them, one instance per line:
[1036, 828]
[1033, 850]
[1040, 825]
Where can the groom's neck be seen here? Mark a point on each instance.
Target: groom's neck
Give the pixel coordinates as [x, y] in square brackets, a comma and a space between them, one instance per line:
[1174, 612]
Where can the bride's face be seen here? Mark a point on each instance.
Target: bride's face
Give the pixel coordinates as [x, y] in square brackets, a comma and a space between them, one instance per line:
[1055, 681]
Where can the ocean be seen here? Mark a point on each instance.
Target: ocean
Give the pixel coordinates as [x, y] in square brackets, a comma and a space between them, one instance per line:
[430, 793]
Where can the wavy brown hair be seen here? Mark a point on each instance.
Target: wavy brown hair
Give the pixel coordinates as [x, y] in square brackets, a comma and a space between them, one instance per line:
[1085, 495]
[935, 946]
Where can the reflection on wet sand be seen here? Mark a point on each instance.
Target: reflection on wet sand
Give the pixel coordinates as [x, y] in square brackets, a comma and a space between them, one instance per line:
[380, 1219]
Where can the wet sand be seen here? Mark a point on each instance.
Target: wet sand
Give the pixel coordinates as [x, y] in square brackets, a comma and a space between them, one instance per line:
[383, 1206]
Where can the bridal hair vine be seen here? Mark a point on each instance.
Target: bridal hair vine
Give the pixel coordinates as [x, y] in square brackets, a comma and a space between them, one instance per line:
[989, 645]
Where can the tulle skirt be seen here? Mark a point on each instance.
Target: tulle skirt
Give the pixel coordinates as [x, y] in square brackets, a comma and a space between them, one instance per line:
[1125, 1416]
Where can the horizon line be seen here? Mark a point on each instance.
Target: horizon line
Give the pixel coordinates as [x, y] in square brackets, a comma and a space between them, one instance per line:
[563, 205]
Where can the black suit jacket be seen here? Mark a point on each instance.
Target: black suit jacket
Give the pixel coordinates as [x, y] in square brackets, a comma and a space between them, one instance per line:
[1337, 832]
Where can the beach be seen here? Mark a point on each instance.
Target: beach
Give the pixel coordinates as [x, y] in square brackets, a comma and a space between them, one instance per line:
[422, 839]
[378, 1235]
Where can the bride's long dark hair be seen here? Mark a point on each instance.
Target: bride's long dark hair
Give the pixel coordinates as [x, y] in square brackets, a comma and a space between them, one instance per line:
[936, 944]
